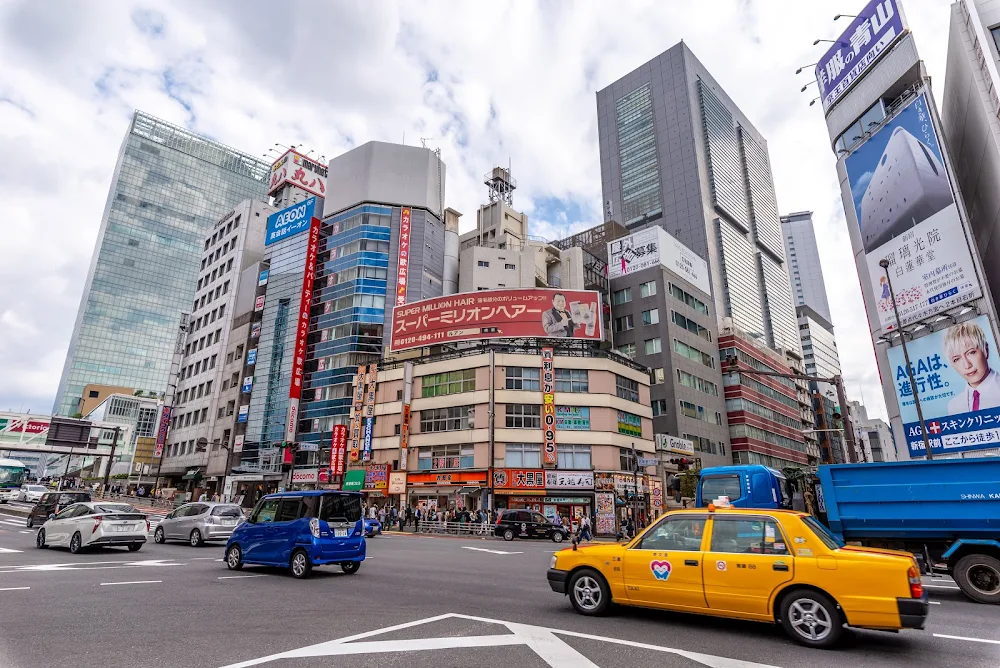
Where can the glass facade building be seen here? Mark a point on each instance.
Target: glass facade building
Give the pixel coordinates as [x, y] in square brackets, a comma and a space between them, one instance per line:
[637, 145]
[169, 187]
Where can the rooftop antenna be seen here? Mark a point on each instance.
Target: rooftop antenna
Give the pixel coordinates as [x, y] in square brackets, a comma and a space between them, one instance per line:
[424, 140]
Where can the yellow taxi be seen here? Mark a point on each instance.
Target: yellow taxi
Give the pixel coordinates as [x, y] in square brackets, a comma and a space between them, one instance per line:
[773, 566]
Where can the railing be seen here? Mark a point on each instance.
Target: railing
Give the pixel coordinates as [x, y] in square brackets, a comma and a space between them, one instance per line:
[456, 528]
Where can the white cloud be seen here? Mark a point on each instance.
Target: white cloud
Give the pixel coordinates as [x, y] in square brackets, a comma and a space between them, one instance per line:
[487, 82]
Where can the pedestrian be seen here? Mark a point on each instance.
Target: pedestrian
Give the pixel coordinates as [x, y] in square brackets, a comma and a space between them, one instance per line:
[585, 534]
[416, 520]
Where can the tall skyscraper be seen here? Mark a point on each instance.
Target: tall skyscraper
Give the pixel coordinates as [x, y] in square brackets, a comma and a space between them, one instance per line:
[805, 272]
[677, 152]
[169, 187]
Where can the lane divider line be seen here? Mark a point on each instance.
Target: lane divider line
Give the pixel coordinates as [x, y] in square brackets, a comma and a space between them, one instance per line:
[941, 587]
[14, 588]
[991, 642]
[237, 577]
[134, 582]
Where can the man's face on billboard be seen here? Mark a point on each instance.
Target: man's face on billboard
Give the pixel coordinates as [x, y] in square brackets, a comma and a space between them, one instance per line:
[972, 363]
[559, 303]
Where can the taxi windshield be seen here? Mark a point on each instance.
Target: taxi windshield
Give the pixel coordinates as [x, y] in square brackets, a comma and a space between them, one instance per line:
[823, 533]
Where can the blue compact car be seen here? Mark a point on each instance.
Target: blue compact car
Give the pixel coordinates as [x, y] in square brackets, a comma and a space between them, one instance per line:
[372, 528]
[299, 530]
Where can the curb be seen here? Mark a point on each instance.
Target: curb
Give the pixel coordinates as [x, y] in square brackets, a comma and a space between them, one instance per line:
[599, 541]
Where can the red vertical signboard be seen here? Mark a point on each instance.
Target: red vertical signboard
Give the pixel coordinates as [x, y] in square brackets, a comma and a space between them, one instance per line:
[356, 407]
[549, 406]
[403, 260]
[338, 450]
[301, 330]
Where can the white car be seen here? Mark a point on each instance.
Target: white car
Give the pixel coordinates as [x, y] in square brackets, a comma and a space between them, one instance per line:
[94, 524]
[31, 493]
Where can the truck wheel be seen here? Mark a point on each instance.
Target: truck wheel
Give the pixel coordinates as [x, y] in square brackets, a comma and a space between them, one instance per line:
[978, 575]
[811, 618]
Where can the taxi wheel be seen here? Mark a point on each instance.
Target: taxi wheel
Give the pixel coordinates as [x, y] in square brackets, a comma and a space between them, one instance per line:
[589, 593]
[508, 535]
[300, 564]
[979, 577]
[76, 543]
[557, 536]
[811, 618]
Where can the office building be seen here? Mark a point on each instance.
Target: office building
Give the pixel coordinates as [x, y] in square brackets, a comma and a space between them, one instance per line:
[235, 243]
[677, 152]
[969, 109]
[168, 188]
[663, 317]
[805, 271]
[873, 435]
[819, 347]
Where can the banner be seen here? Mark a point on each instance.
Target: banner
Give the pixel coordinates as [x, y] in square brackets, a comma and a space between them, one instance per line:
[653, 247]
[958, 387]
[496, 314]
[338, 449]
[356, 407]
[302, 329]
[403, 258]
[369, 433]
[873, 31]
[369, 412]
[605, 510]
[548, 406]
[161, 432]
[908, 216]
[238, 443]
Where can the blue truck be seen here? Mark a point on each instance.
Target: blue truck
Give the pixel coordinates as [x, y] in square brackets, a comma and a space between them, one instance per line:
[945, 511]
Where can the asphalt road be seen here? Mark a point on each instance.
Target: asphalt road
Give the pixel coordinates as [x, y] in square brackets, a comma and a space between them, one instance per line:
[416, 602]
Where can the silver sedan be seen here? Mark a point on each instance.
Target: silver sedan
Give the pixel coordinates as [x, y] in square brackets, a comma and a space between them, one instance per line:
[197, 523]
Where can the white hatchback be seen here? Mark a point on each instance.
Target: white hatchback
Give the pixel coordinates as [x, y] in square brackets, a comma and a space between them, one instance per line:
[31, 493]
[94, 524]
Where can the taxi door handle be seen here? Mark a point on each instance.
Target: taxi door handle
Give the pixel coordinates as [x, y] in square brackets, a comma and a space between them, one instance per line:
[780, 567]
[690, 562]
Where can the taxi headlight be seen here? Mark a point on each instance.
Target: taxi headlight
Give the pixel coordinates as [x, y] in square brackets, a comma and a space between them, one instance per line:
[552, 564]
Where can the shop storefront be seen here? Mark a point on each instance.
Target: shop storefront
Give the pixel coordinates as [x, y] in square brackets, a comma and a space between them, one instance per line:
[246, 489]
[568, 494]
[441, 491]
[618, 495]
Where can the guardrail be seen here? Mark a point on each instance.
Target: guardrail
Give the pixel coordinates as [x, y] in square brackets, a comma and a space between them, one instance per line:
[456, 528]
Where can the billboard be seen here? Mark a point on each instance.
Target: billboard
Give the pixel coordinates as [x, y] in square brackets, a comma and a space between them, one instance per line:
[289, 222]
[302, 329]
[873, 31]
[548, 406]
[338, 449]
[573, 418]
[161, 431]
[653, 247]
[675, 444]
[403, 258]
[495, 314]
[958, 387]
[297, 169]
[907, 214]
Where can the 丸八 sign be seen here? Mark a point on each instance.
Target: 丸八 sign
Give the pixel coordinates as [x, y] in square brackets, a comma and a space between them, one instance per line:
[295, 168]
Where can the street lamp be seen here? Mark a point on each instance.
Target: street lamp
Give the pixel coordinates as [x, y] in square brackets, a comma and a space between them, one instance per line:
[884, 263]
[799, 71]
[845, 16]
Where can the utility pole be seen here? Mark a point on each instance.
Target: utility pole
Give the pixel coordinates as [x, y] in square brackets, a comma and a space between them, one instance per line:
[111, 458]
[884, 263]
[635, 489]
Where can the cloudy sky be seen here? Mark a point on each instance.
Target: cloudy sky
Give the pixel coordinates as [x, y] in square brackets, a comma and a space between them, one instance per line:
[516, 81]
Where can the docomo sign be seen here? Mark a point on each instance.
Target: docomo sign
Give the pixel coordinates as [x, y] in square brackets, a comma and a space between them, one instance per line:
[496, 314]
[403, 259]
[305, 475]
[302, 329]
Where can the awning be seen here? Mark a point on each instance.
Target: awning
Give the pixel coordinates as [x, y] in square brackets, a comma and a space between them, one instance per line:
[469, 490]
[192, 474]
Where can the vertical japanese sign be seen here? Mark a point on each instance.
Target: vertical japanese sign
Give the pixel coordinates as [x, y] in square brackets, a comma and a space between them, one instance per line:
[356, 410]
[403, 259]
[907, 214]
[404, 423]
[873, 31]
[161, 432]
[338, 449]
[301, 330]
[369, 412]
[549, 405]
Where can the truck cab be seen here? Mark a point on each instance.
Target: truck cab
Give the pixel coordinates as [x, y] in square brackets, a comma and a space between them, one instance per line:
[747, 486]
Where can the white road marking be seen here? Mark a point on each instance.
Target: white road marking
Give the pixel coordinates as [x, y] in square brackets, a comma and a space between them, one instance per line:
[34, 532]
[934, 602]
[14, 522]
[236, 577]
[214, 559]
[991, 642]
[545, 642]
[7, 550]
[134, 582]
[88, 566]
[941, 587]
[14, 588]
[483, 549]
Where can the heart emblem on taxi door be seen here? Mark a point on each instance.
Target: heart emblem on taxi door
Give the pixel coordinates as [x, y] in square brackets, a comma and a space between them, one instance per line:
[661, 569]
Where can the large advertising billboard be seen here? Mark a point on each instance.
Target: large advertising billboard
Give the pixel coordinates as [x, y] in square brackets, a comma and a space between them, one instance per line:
[873, 31]
[301, 330]
[958, 387]
[908, 216]
[289, 222]
[297, 169]
[653, 247]
[497, 314]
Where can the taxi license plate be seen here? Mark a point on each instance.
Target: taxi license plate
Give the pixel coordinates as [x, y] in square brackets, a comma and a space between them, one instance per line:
[340, 533]
[121, 527]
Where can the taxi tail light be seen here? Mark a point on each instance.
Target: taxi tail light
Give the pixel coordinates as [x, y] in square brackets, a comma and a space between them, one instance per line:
[147, 525]
[97, 523]
[916, 585]
[314, 527]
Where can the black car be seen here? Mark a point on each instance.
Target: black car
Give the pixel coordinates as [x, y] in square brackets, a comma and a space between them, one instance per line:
[513, 524]
[51, 503]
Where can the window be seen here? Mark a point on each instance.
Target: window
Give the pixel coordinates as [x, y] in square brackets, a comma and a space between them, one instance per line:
[509, 266]
[659, 407]
[265, 511]
[690, 380]
[651, 317]
[627, 349]
[524, 416]
[690, 300]
[658, 375]
[340, 508]
[446, 457]
[690, 325]
[623, 296]
[453, 382]
[623, 324]
[693, 353]
[573, 457]
[996, 35]
[627, 459]
[647, 289]
[676, 534]
[523, 455]
[523, 378]
[483, 263]
[748, 535]
[572, 380]
[714, 486]
[626, 388]
[454, 418]
[653, 346]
